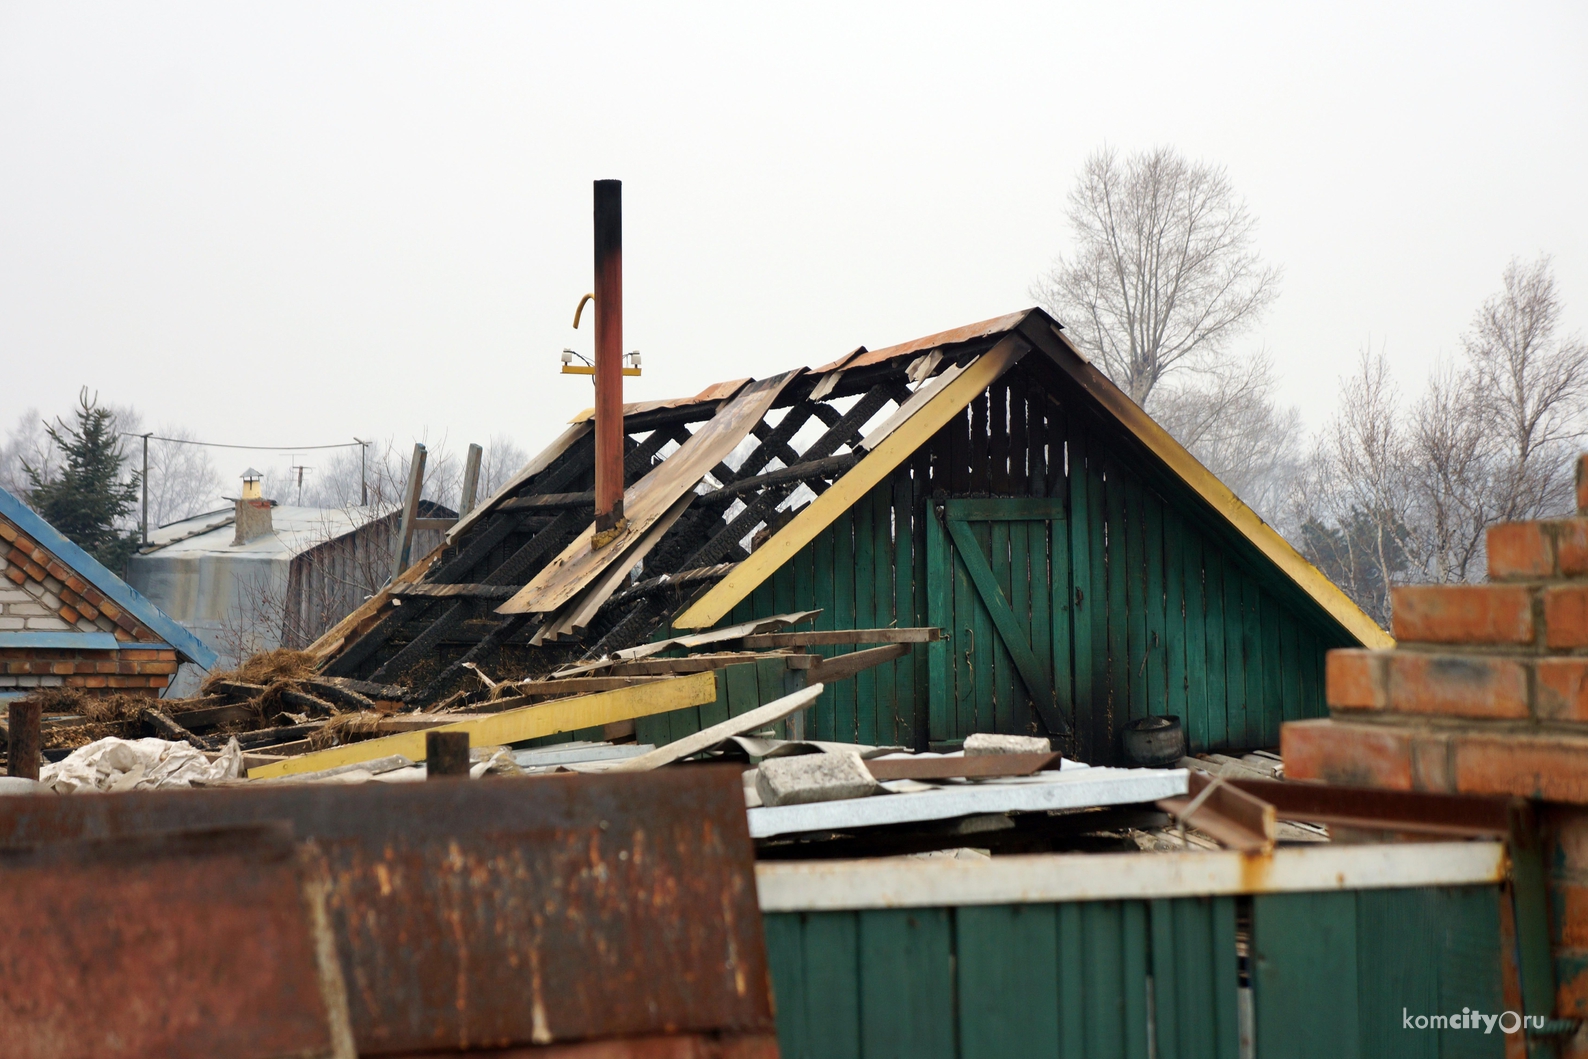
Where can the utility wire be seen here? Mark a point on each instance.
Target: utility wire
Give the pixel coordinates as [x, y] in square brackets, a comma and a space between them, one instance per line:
[261, 448]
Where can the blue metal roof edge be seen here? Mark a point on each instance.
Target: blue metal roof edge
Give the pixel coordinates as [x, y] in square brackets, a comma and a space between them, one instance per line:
[77, 641]
[189, 647]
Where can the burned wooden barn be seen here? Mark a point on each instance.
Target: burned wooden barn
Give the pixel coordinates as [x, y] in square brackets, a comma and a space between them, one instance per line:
[988, 481]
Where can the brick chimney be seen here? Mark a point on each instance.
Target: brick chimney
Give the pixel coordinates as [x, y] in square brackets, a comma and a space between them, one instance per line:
[253, 511]
[1486, 693]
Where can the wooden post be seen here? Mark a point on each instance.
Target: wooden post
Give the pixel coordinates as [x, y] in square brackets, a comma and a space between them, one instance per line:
[143, 521]
[446, 755]
[416, 483]
[471, 480]
[23, 739]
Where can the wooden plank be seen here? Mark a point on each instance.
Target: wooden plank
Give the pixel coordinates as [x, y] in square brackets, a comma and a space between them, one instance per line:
[825, 716]
[1008, 981]
[1006, 509]
[909, 599]
[410, 511]
[650, 667]
[544, 459]
[1214, 625]
[1174, 615]
[744, 688]
[980, 476]
[649, 499]
[739, 724]
[1022, 715]
[876, 466]
[578, 685]
[1014, 637]
[907, 984]
[1304, 978]
[1061, 610]
[844, 709]
[1081, 600]
[998, 437]
[984, 660]
[885, 727]
[1037, 551]
[966, 661]
[1273, 658]
[1156, 596]
[865, 691]
[1290, 652]
[1196, 645]
[472, 591]
[1118, 711]
[1136, 593]
[841, 667]
[939, 613]
[513, 726]
[1252, 649]
[1010, 695]
[1235, 704]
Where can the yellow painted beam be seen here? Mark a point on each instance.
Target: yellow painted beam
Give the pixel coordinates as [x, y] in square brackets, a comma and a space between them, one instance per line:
[512, 726]
[877, 465]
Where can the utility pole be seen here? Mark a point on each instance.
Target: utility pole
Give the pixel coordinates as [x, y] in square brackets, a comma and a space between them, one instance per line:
[363, 473]
[144, 520]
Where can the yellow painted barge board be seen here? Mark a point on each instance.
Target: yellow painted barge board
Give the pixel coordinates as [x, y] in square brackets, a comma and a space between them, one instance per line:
[511, 726]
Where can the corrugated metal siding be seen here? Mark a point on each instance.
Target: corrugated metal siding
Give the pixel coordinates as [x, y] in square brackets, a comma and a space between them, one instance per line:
[1330, 975]
[1134, 605]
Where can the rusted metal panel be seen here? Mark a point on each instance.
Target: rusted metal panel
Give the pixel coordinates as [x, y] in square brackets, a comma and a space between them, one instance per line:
[504, 912]
[1382, 810]
[167, 947]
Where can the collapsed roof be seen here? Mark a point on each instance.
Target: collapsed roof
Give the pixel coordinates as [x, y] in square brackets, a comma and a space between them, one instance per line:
[727, 485]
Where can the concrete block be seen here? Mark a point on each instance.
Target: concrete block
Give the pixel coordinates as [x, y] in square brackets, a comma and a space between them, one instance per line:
[984, 743]
[814, 778]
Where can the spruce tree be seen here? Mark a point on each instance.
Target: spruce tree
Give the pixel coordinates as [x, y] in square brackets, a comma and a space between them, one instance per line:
[88, 497]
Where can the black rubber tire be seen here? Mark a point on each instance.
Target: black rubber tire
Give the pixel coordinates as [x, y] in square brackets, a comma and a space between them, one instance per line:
[1154, 742]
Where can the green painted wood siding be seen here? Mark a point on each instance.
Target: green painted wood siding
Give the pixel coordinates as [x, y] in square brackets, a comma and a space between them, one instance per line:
[1133, 599]
[1330, 974]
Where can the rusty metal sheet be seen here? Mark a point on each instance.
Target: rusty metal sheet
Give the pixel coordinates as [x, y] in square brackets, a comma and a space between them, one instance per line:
[167, 947]
[1384, 810]
[649, 499]
[503, 912]
[985, 329]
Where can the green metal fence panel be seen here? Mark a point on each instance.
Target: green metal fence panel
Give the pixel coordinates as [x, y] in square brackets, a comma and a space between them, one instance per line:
[1339, 974]
[1194, 976]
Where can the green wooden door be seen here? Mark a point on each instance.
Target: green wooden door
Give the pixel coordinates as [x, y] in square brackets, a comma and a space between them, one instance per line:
[998, 574]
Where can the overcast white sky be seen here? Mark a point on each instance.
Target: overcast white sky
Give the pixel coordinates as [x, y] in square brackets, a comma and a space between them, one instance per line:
[290, 224]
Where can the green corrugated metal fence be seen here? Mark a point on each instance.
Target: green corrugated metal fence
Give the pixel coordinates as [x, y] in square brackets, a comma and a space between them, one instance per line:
[1330, 975]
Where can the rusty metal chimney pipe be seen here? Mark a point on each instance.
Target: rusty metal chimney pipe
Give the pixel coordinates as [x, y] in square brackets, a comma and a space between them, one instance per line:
[608, 358]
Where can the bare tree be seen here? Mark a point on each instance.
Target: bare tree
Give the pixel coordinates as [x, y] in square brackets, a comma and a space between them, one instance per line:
[1231, 423]
[1531, 386]
[1163, 270]
[501, 461]
[1391, 498]
[28, 443]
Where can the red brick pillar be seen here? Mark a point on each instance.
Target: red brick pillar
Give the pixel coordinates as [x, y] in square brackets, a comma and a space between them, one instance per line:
[1486, 692]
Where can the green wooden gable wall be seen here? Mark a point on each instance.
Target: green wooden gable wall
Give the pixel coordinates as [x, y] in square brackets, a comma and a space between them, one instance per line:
[1123, 593]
